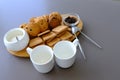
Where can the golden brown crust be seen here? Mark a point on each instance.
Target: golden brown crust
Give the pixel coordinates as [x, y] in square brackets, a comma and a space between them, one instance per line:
[53, 42]
[62, 33]
[35, 41]
[32, 29]
[23, 25]
[32, 19]
[43, 24]
[43, 33]
[48, 37]
[69, 29]
[46, 17]
[60, 29]
[55, 19]
[66, 36]
[71, 38]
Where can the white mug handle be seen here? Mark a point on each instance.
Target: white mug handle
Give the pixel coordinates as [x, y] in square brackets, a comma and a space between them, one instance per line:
[29, 50]
[75, 42]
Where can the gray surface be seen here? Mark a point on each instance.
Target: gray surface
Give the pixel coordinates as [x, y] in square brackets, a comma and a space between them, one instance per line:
[101, 22]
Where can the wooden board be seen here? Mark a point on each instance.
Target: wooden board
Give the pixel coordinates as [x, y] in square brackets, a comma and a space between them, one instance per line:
[23, 52]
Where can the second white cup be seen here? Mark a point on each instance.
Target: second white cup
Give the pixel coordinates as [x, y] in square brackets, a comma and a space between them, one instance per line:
[65, 53]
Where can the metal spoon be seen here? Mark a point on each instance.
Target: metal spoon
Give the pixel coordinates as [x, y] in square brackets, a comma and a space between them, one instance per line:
[80, 47]
[77, 29]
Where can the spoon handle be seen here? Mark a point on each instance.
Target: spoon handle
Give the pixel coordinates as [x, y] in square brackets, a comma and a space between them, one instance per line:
[91, 40]
[80, 47]
[81, 50]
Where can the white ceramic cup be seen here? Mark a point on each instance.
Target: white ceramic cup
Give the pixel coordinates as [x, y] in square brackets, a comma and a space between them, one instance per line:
[65, 53]
[16, 39]
[42, 58]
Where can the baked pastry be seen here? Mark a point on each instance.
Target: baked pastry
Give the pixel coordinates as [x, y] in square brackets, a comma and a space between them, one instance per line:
[55, 19]
[49, 36]
[60, 29]
[43, 33]
[32, 29]
[32, 19]
[71, 38]
[66, 35]
[46, 17]
[43, 24]
[23, 25]
[35, 41]
[53, 42]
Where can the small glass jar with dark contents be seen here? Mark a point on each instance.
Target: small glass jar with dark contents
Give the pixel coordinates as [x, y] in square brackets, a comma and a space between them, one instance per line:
[70, 19]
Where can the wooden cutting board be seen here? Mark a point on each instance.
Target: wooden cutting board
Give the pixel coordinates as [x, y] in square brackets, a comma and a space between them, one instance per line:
[23, 52]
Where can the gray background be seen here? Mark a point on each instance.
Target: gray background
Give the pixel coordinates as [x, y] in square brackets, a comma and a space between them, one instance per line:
[101, 22]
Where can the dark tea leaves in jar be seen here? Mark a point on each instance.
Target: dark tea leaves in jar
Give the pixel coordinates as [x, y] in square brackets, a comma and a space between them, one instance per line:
[70, 19]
